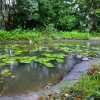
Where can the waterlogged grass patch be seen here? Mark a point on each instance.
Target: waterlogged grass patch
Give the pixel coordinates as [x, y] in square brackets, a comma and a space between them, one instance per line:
[2, 64]
[60, 60]
[59, 55]
[7, 61]
[49, 51]
[27, 59]
[18, 52]
[4, 56]
[5, 73]
[45, 53]
[48, 64]
[40, 60]
[44, 61]
[64, 49]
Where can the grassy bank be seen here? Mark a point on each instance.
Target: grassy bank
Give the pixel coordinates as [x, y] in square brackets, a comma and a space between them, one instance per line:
[95, 36]
[87, 88]
[18, 34]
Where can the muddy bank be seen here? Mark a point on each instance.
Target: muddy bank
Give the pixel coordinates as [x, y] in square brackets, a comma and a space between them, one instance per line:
[72, 76]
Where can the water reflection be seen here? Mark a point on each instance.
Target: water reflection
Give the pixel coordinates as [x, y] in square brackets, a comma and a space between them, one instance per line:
[88, 45]
[30, 42]
[33, 76]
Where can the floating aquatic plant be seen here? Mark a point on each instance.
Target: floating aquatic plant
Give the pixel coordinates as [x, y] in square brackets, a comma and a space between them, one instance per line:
[48, 64]
[18, 52]
[27, 59]
[60, 60]
[45, 53]
[5, 73]
[4, 56]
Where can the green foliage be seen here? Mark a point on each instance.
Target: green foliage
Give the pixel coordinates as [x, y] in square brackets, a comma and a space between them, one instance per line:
[23, 11]
[4, 35]
[49, 33]
[5, 73]
[85, 89]
[74, 35]
[89, 87]
[45, 54]
[64, 15]
[89, 9]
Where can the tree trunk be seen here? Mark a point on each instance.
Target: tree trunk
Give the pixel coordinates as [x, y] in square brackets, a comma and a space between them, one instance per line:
[5, 10]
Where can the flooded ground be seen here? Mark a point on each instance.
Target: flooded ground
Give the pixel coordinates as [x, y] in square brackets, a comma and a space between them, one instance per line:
[38, 65]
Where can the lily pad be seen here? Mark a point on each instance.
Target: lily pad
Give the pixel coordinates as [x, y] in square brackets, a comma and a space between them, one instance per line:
[48, 65]
[60, 60]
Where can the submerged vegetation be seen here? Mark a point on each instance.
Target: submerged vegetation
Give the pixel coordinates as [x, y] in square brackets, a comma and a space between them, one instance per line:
[4, 74]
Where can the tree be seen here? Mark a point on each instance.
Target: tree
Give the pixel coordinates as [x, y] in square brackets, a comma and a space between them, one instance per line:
[5, 12]
[90, 10]
[23, 11]
[66, 15]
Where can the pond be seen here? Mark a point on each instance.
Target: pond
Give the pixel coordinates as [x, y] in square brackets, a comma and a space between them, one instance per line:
[35, 66]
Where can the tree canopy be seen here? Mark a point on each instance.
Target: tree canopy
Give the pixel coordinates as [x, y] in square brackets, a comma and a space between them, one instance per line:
[64, 15]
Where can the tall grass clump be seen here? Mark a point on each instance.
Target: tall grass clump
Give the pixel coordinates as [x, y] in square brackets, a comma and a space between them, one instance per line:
[75, 35]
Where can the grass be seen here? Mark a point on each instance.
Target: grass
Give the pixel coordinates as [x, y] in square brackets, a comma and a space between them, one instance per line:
[88, 85]
[19, 34]
[95, 36]
[87, 88]
[16, 35]
[75, 35]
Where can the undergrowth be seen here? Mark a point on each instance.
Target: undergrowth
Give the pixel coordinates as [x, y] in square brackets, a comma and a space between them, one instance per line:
[36, 35]
[87, 88]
